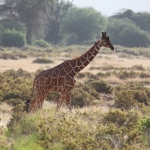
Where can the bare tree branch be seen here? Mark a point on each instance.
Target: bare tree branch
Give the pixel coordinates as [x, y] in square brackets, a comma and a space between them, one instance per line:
[55, 11]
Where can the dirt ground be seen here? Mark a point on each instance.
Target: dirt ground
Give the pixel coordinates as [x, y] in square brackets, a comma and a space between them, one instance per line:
[26, 64]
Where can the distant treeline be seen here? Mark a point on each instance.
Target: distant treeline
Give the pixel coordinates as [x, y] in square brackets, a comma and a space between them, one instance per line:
[61, 22]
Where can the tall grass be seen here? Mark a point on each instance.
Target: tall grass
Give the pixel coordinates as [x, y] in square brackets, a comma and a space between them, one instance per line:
[88, 129]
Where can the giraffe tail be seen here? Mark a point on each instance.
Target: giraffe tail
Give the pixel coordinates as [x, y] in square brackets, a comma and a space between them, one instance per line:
[34, 85]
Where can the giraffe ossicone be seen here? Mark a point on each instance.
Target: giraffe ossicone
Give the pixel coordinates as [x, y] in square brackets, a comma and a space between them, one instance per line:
[61, 77]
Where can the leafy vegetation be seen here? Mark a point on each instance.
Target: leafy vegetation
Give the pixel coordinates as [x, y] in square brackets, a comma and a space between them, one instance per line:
[125, 124]
[41, 43]
[43, 61]
[12, 38]
[69, 24]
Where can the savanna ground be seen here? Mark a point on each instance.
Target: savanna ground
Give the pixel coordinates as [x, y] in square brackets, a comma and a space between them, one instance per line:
[111, 101]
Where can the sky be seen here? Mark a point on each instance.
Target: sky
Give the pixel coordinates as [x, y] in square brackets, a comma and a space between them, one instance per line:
[111, 7]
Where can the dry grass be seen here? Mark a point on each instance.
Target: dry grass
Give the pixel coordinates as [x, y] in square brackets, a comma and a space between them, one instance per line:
[103, 108]
[114, 60]
[5, 114]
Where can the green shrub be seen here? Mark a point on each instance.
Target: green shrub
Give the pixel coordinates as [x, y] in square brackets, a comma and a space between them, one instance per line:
[12, 38]
[87, 130]
[130, 86]
[121, 118]
[125, 99]
[3, 140]
[128, 99]
[144, 75]
[88, 88]
[122, 126]
[138, 67]
[145, 122]
[43, 61]
[30, 143]
[92, 76]
[130, 95]
[81, 98]
[15, 86]
[141, 96]
[41, 43]
[108, 67]
[104, 75]
[125, 75]
[8, 56]
[101, 87]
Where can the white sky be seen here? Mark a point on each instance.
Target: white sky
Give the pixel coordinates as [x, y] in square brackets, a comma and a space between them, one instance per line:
[110, 7]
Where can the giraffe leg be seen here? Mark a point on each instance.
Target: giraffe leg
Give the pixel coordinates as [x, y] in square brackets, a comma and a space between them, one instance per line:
[60, 102]
[41, 99]
[33, 104]
[68, 89]
[68, 101]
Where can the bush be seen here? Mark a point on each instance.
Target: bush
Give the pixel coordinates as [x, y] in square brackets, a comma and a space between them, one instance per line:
[8, 56]
[125, 75]
[41, 43]
[130, 95]
[15, 86]
[144, 75]
[125, 99]
[145, 122]
[88, 88]
[81, 98]
[3, 139]
[43, 61]
[138, 67]
[101, 87]
[121, 118]
[12, 38]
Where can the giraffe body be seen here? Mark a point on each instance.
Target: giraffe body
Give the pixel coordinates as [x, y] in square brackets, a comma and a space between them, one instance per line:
[61, 78]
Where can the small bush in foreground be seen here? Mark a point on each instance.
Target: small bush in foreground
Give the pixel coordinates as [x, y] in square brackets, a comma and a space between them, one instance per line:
[3, 139]
[88, 130]
[43, 61]
[145, 122]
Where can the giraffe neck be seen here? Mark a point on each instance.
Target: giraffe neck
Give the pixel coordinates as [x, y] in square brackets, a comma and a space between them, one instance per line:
[86, 58]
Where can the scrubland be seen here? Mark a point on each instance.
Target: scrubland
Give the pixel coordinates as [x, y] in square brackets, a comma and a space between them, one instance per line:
[111, 101]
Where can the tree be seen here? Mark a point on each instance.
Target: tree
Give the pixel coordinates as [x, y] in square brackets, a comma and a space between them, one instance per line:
[55, 11]
[126, 33]
[141, 19]
[29, 14]
[25, 11]
[83, 24]
[12, 24]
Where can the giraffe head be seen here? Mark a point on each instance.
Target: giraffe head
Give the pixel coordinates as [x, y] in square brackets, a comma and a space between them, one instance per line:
[104, 40]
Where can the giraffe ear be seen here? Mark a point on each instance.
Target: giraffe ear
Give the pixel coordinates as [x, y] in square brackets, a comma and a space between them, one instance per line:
[102, 34]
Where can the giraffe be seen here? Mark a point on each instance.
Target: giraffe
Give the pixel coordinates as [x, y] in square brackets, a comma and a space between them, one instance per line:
[61, 77]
